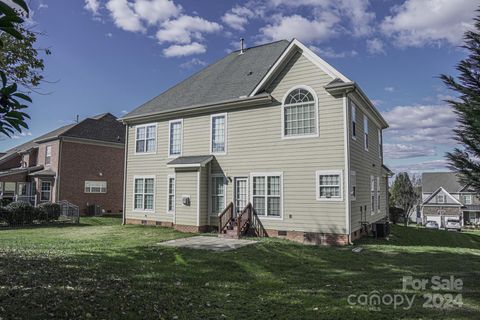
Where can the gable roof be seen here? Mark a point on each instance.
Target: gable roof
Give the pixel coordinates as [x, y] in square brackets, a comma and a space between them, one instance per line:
[232, 77]
[455, 201]
[104, 127]
[431, 181]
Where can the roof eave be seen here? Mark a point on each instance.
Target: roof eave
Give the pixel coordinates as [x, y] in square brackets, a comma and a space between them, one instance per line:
[239, 102]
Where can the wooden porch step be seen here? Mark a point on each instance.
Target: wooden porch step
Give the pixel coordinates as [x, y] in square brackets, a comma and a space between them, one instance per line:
[230, 234]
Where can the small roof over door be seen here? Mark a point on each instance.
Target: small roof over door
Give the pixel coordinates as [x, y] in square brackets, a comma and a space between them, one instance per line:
[190, 162]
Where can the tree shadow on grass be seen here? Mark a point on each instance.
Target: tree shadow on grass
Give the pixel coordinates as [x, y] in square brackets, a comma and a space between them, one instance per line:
[270, 280]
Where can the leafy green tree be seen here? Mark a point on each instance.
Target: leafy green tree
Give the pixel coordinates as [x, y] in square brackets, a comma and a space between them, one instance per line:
[405, 195]
[466, 159]
[12, 117]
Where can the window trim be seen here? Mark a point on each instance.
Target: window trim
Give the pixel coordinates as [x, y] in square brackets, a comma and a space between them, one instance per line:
[373, 195]
[181, 138]
[315, 98]
[366, 135]
[444, 197]
[135, 141]
[378, 195]
[154, 193]
[41, 191]
[353, 184]
[266, 175]
[47, 156]
[318, 173]
[470, 196]
[170, 176]
[353, 120]
[224, 114]
[210, 193]
[380, 143]
[90, 192]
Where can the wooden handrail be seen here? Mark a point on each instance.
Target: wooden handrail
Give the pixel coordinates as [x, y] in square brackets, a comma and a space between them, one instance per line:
[225, 217]
[244, 218]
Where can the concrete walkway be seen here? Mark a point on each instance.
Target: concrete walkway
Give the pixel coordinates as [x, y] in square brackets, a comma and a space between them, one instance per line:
[208, 243]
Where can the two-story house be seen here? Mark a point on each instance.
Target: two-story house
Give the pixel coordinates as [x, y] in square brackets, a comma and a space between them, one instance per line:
[273, 125]
[81, 163]
[444, 197]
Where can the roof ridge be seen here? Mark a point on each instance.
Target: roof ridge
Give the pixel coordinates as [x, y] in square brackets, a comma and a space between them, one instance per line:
[260, 45]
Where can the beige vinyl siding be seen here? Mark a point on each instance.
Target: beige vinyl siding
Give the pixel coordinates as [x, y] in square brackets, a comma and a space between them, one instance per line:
[255, 145]
[204, 195]
[365, 164]
[186, 185]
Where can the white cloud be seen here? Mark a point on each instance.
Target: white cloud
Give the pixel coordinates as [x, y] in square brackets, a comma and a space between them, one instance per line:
[92, 6]
[301, 28]
[329, 52]
[155, 11]
[124, 111]
[124, 16]
[109, 35]
[404, 151]
[375, 46]
[42, 6]
[421, 124]
[192, 63]
[186, 28]
[440, 164]
[422, 22]
[389, 89]
[184, 50]
[237, 17]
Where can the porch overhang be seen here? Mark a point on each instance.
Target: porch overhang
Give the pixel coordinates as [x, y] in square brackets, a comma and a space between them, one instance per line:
[43, 173]
[190, 162]
[471, 207]
[16, 171]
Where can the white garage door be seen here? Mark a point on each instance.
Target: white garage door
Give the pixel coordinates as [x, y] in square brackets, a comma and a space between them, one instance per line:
[436, 218]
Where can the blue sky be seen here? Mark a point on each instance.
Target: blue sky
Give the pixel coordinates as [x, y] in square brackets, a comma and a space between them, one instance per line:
[113, 55]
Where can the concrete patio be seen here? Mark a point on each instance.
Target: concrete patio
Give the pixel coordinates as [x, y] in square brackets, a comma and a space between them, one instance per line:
[208, 243]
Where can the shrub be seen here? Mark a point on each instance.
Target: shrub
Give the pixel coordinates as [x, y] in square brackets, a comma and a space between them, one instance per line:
[395, 214]
[20, 213]
[48, 211]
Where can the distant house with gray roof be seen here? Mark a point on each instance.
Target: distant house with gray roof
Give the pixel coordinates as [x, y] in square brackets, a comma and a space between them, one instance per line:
[80, 162]
[270, 137]
[445, 197]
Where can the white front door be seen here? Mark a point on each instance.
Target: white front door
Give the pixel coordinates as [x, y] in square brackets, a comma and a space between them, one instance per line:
[240, 195]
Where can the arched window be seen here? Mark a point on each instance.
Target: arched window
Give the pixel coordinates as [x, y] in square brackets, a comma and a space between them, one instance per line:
[300, 113]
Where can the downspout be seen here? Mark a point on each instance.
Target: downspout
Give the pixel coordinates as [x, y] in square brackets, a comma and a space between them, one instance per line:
[59, 166]
[125, 176]
[347, 169]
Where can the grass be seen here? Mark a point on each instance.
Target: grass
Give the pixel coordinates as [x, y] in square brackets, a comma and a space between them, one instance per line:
[102, 270]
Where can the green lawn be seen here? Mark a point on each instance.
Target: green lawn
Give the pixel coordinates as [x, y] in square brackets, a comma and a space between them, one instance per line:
[102, 270]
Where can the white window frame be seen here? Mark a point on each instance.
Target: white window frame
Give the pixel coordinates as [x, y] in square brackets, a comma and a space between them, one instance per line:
[224, 152]
[90, 182]
[380, 144]
[143, 202]
[365, 132]
[210, 193]
[353, 184]
[266, 175]
[171, 176]
[441, 196]
[48, 155]
[315, 98]
[135, 142]
[378, 194]
[353, 114]
[467, 196]
[181, 138]
[373, 194]
[318, 173]
[49, 192]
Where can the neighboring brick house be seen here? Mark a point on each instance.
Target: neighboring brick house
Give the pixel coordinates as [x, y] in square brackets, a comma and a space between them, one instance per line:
[445, 197]
[82, 163]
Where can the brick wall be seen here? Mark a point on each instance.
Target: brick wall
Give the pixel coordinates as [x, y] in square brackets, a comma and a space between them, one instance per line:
[437, 210]
[82, 162]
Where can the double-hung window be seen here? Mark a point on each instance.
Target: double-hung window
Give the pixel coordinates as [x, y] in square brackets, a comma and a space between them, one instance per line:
[48, 155]
[95, 186]
[175, 137]
[372, 194]
[353, 114]
[145, 138]
[171, 193]
[441, 198]
[365, 132]
[378, 194]
[267, 194]
[45, 191]
[353, 183]
[144, 193]
[329, 185]
[467, 199]
[218, 133]
[300, 113]
[217, 193]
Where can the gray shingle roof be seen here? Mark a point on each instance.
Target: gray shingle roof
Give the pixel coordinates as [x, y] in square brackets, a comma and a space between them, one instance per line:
[431, 181]
[190, 160]
[20, 170]
[43, 173]
[234, 76]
